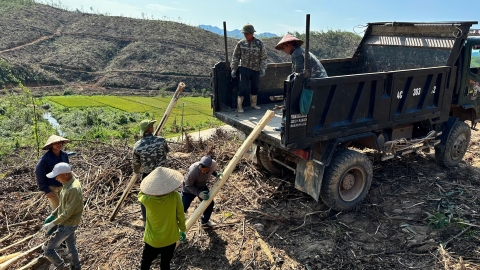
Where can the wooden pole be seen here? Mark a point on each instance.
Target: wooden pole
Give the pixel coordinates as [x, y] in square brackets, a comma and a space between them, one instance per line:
[169, 109]
[230, 167]
[9, 256]
[6, 264]
[160, 126]
[124, 195]
[16, 243]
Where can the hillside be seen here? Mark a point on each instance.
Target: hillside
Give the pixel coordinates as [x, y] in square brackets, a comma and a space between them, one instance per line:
[53, 46]
[43, 45]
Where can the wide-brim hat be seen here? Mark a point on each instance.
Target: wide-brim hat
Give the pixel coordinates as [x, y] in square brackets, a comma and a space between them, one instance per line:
[161, 181]
[54, 139]
[286, 39]
[145, 124]
[248, 28]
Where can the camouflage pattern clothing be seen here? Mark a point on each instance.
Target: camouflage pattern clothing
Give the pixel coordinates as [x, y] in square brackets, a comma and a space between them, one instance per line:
[315, 68]
[251, 54]
[149, 153]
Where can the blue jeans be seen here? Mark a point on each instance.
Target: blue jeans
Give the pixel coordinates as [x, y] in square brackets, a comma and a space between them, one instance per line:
[187, 199]
[63, 233]
[248, 76]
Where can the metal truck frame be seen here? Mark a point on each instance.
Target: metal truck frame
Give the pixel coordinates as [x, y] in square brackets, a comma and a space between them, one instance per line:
[407, 88]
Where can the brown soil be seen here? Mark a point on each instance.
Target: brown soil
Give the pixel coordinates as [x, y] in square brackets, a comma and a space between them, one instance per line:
[259, 214]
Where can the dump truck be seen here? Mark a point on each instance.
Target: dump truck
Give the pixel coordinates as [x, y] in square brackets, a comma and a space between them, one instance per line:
[409, 87]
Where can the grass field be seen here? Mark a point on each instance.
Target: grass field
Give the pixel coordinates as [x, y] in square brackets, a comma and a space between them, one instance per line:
[196, 111]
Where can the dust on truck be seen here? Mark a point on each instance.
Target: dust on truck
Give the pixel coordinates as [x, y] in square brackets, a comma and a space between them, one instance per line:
[409, 87]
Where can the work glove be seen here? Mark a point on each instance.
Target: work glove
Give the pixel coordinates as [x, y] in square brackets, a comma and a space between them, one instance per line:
[204, 195]
[183, 236]
[47, 227]
[262, 72]
[49, 219]
[234, 73]
[219, 174]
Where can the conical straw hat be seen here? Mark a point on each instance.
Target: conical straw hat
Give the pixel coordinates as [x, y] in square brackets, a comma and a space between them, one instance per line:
[286, 39]
[53, 139]
[161, 181]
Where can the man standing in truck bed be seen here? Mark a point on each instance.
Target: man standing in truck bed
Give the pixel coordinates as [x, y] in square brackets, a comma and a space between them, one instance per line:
[251, 52]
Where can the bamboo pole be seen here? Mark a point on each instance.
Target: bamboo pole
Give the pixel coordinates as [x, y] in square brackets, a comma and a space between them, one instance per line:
[6, 264]
[230, 167]
[9, 256]
[124, 195]
[160, 126]
[16, 243]
[169, 109]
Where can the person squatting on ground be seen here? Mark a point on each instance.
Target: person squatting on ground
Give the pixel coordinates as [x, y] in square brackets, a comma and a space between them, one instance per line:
[195, 185]
[148, 153]
[66, 217]
[165, 223]
[291, 45]
[251, 54]
[54, 155]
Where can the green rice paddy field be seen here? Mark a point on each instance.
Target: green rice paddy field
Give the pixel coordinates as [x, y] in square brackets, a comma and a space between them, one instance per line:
[196, 111]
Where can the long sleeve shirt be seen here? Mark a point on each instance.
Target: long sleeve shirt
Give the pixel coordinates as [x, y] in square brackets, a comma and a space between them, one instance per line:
[315, 68]
[195, 180]
[44, 166]
[70, 209]
[149, 153]
[165, 217]
[251, 55]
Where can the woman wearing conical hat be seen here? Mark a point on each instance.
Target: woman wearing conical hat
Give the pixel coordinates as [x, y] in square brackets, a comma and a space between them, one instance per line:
[165, 222]
[291, 45]
[54, 155]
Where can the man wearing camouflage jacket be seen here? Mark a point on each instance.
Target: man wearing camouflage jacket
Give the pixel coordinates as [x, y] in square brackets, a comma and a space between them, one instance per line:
[250, 53]
[149, 153]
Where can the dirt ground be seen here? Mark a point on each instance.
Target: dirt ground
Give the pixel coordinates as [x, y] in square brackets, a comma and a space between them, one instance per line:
[417, 215]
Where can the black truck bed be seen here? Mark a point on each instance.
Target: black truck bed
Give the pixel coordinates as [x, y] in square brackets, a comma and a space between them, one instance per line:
[247, 120]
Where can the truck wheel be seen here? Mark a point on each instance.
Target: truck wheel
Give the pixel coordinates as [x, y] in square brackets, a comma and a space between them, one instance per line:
[455, 146]
[268, 164]
[347, 180]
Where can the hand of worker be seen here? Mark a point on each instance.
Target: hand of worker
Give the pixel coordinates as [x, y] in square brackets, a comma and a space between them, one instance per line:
[47, 227]
[183, 236]
[204, 195]
[234, 73]
[218, 175]
[262, 72]
[49, 195]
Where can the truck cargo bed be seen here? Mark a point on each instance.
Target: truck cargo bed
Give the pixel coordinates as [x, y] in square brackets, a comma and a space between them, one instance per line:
[247, 120]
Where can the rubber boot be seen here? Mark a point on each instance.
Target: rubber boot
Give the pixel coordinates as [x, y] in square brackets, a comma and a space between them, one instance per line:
[253, 102]
[239, 104]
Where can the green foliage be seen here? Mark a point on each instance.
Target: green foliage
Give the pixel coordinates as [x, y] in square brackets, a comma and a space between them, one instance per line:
[68, 91]
[475, 62]
[6, 5]
[438, 220]
[332, 44]
[21, 122]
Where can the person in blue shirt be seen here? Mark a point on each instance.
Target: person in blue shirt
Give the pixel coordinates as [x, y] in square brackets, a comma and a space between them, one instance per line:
[54, 155]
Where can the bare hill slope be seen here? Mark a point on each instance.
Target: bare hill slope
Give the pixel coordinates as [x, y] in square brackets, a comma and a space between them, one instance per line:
[45, 45]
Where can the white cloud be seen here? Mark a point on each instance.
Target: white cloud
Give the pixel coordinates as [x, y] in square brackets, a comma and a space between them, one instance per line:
[299, 10]
[162, 8]
[242, 1]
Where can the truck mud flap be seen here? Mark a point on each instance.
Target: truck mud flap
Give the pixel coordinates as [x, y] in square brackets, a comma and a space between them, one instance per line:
[308, 178]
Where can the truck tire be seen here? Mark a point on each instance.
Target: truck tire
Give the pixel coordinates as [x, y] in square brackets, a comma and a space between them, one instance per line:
[268, 164]
[455, 146]
[347, 180]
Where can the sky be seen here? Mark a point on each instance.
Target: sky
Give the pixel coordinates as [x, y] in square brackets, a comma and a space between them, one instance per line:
[282, 16]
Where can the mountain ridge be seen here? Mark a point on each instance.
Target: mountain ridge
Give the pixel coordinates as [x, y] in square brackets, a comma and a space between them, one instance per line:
[235, 33]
